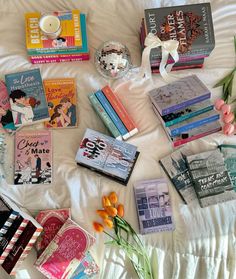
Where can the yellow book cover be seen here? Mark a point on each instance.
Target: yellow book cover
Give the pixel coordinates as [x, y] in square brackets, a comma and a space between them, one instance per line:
[62, 102]
[70, 36]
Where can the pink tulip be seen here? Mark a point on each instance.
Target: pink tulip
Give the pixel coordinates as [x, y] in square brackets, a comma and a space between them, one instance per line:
[226, 109]
[228, 118]
[228, 129]
[219, 103]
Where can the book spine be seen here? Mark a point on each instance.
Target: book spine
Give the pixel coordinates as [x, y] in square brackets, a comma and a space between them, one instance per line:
[186, 103]
[13, 241]
[8, 223]
[104, 116]
[59, 59]
[114, 117]
[67, 51]
[26, 251]
[188, 116]
[120, 110]
[179, 68]
[176, 131]
[183, 141]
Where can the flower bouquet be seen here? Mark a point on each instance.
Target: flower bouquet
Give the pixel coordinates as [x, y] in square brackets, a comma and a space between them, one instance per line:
[123, 235]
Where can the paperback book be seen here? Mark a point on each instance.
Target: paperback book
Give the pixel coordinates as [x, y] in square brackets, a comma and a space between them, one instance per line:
[210, 177]
[68, 247]
[176, 168]
[107, 156]
[27, 97]
[33, 157]
[51, 221]
[62, 103]
[179, 95]
[153, 206]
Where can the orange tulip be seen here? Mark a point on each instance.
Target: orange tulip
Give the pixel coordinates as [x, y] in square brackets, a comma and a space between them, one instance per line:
[105, 201]
[108, 223]
[102, 213]
[113, 197]
[98, 227]
[111, 211]
[120, 210]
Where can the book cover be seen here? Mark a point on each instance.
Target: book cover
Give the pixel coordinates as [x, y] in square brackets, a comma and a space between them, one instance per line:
[187, 113]
[192, 123]
[190, 25]
[51, 221]
[179, 94]
[107, 155]
[33, 157]
[210, 177]
[70, 35]
[229, 153]
[86, 269]
[5, 211]
[27, 97]
[153, 206]
[58, 58]
[104, 116]
[61, 96]
[68, 247]
[176, 168]
[6, 119]
[7, 225]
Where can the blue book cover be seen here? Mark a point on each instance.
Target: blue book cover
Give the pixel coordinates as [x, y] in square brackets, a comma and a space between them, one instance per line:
[111, 112]
[107, 155]
[179, 94]
[192, 123]
[27, 97]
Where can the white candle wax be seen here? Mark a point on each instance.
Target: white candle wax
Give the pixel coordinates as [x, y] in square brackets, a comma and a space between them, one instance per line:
[50, 26]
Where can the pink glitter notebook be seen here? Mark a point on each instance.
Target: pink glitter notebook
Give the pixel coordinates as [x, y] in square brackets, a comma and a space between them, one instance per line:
[64, 253]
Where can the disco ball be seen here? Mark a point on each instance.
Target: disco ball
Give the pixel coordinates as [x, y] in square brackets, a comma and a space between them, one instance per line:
[112, 60]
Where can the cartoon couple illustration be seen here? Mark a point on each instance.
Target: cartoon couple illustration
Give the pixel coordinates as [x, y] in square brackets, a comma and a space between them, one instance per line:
[22, 107]
[64, 114]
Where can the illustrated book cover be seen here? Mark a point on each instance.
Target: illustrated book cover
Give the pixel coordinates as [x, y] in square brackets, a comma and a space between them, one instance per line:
[210, 177]
[68, 247]
[179, 94]
[33, 157]
[51, 221]
[62, 102]
[153, 206]
[27, 97]
[176, 168]
[107, 155]
[190, 25]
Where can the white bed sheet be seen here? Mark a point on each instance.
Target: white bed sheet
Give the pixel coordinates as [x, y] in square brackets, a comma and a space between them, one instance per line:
[203, 244]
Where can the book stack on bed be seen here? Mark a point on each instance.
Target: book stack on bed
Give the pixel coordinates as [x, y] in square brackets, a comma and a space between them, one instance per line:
[190, 25]
[207, 177]
[71, 45]
[185, 110]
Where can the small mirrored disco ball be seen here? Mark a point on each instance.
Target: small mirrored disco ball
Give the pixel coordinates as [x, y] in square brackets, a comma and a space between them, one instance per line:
[112, 60]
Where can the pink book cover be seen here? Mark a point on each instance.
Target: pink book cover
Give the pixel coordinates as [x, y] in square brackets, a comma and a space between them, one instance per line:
[33, 157]
[51, 221]
[64, 253]
[59, 59]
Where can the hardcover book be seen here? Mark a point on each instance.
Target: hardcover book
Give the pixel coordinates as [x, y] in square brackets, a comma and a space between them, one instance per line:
[86, 269]
[62, 102]
[190, 25]
[210, 177]
[6, 212]
[229, 153]
[179, 94]
[107, 155]
[68, 247]
[6, 119]
[27, 97]
[153, 206]
[51, 221]
[33, 157]
[176, 168]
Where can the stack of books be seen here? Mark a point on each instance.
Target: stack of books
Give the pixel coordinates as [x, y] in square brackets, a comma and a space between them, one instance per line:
[190, 25]
[18, 233]
[112, 112]
[71, 45]
[64, 240]
[207, 177]
[185, 110]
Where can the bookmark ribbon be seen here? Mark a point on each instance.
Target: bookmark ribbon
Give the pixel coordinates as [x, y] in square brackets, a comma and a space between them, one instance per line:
[167, 48]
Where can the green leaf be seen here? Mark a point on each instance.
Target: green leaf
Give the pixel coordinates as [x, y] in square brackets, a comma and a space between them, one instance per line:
[224, 79]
